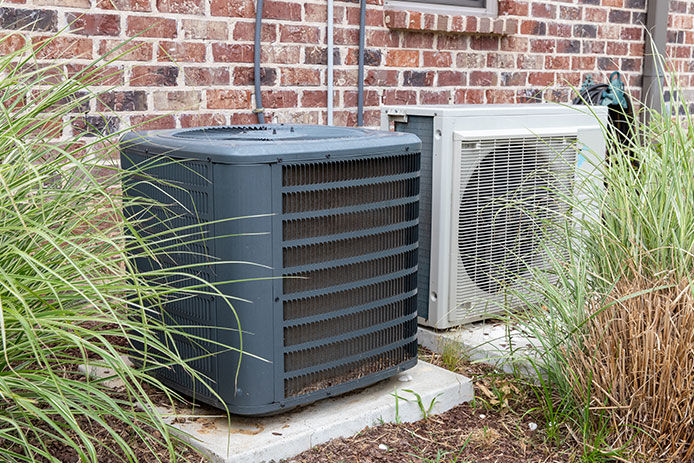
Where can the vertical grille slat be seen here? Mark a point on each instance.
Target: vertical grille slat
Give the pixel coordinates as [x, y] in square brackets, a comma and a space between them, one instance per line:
[361, 303]
[349, 372]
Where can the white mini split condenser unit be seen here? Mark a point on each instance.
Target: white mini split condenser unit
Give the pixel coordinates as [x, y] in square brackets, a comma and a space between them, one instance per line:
[490, 175]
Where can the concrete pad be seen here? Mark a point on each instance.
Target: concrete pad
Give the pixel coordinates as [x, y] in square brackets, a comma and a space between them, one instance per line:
[494, 343]
[270, 439]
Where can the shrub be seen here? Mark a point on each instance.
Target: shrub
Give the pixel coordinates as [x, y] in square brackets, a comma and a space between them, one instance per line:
[615, 328]
[69, 294]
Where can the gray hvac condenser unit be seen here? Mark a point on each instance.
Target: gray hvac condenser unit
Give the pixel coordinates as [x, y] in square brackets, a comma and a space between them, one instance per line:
[336, 225]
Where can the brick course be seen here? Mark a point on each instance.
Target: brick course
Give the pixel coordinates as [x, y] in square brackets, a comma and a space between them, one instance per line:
[192, 59]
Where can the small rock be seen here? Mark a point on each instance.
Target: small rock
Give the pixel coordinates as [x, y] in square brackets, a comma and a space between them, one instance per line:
[405, 378]
[383, 446]
[532, 426]
[482, 417]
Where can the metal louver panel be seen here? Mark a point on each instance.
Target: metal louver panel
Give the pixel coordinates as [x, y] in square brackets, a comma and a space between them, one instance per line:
[510, 190]
[349, 254]
[183, 187]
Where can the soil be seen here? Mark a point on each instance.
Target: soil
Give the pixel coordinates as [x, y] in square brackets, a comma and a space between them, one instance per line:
[495, 428]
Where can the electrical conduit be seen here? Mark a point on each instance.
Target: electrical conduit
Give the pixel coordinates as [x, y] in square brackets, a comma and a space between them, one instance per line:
[256, 62]
[360, 77]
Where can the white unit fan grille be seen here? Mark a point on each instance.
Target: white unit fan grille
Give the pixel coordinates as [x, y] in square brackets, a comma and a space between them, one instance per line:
[509, 189]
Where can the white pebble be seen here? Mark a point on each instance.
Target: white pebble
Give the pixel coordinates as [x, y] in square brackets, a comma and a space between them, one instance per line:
[532, 426]
[483, 417]
[383, 446]
[405, 378]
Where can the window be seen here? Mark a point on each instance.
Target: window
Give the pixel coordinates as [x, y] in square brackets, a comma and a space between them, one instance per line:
[451, 7]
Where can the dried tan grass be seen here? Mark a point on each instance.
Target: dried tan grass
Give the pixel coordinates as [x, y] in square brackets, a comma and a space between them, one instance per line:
[638, 361]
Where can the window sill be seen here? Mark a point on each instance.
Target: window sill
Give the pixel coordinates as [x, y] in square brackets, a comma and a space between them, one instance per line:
[411, 20]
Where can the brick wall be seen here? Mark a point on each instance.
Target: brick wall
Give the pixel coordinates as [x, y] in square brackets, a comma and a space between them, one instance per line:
[193, 61]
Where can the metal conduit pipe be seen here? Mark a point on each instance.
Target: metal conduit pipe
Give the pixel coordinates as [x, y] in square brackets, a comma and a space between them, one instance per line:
[656, 41]
[256, 62]
[360, 77]
[330, 62]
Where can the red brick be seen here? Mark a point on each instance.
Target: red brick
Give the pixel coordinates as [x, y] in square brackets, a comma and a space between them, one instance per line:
[147, 122]
[518, 44]
[181, 6]
[543, 45]
[501, 60]
[157, 76]
[497, 96]
[300, 77]
[314, 99]
[393, 96]
[93, 24]
[232, 53]
[402, 58]
[248, 118]
[436, 59]
[452, 42]
[435, 96]
[371, 98]
[343, 36]
[151, 27]
[541, 78]
[205, 30]
[484, 43]
[376, 38]
[10, 43]
[314, 12]
[122, 101]
[181, 52]
[544, 10]
[513, 8]
[514, 79]
[344, 77]
[595, 15]
[557, 62]
[131, 50]
[418, 40]
[593, 47]
[278, 54]
[73, 3]
[374, 17]
[468, 96]
[201, 120]
[177, 100]
[381, 78]
[299, 34]
[98, 76]
[228, 99]
[452, 78]
[288, 11]
[206, 76]
[61, 47]
[245, 31]
[233, 8]
[124, 5]
[245, 75]
[482, 78]
[583, 62]
[279, 99]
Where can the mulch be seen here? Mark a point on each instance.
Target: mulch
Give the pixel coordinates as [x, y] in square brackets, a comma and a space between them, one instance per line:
[495, 428]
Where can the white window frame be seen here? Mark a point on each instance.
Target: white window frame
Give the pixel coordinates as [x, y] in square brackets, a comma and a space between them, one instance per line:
[491, 10]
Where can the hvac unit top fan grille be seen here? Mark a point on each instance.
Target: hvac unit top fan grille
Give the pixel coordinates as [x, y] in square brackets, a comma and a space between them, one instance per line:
[509, 189]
